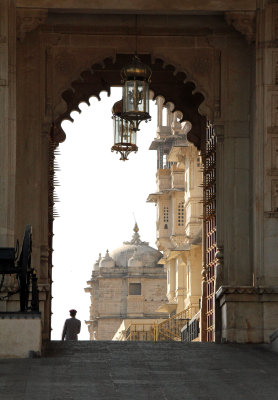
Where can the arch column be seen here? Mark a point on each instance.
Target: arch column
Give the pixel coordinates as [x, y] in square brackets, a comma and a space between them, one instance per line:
[247, 294]
[159, 103]
[181, 289]
[7, 121]
[172, 280]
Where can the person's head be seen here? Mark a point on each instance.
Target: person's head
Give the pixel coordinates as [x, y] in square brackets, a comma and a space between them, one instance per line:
[72, 313]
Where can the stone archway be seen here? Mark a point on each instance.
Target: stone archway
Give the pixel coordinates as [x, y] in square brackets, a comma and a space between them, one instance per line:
[173, 86]
[210, 52]
[166, 81]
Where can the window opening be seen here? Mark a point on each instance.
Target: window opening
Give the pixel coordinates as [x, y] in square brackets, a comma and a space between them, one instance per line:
[134, 289]
[166, 214]
[165, 164]
[181, 214]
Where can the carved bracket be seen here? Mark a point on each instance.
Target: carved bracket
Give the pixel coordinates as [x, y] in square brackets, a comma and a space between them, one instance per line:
[244, 22]
[28, 21]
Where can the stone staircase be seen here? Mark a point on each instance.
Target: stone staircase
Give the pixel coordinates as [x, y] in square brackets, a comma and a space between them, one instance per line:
[142, 370]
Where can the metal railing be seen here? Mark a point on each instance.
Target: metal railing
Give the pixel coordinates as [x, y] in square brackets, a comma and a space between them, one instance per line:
[167, 330]
[191, 330]
[170, 330]
[140, 332]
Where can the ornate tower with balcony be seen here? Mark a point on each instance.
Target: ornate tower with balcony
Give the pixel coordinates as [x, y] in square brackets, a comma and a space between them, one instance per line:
[179, 207]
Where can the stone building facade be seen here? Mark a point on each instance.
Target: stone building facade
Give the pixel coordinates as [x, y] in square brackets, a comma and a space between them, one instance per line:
[129, 284]
[179, 212]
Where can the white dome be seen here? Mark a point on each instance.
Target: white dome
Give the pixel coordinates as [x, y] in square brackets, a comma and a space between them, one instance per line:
[145, 254]
[96, 264]
[96, 267]
[135, 260]
[107, 261]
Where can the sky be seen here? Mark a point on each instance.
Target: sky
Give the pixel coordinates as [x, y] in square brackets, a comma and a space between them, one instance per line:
[100, 198]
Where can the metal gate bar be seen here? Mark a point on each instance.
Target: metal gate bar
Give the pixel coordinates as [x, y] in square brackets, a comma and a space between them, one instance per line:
[210, 225]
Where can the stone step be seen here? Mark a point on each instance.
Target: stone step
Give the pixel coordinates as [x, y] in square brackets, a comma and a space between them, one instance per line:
[142, 370]
[68, 348]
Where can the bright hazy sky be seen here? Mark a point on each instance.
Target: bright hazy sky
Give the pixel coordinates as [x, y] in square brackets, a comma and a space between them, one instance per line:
[98, 196]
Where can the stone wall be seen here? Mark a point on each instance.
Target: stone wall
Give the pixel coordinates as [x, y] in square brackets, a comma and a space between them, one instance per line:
[20, 335]
[111, 301]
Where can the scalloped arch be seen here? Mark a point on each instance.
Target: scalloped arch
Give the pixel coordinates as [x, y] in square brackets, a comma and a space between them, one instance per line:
[172, 85]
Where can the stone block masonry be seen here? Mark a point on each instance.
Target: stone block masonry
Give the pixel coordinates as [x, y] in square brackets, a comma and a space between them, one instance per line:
[20, 335]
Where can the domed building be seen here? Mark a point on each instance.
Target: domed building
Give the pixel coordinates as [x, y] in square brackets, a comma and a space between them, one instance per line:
[127, 285]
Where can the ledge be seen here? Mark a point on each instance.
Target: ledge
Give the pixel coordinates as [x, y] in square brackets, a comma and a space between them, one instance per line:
[145, 6]
[271, 214]
[20, 315]
[223, 290]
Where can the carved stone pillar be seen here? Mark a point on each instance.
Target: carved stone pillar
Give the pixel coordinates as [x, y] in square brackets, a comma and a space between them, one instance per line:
[203, 320]
[181, 290]
[7, 121]
[33, 150]
[170, 115]
[159, 103]
[248, 300]
[266, 148]
[172, 281]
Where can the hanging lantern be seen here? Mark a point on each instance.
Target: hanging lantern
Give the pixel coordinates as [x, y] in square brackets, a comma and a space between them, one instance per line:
[125, 133]
[136, 77]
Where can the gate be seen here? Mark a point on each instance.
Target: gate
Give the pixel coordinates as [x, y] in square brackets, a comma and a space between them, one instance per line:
[210, 227]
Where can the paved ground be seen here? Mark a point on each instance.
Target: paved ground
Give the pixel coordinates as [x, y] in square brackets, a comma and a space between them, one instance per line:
[134, 370]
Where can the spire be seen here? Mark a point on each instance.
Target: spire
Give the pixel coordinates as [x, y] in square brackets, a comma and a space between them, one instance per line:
[136, 229]
[107, 256]
[136, 237]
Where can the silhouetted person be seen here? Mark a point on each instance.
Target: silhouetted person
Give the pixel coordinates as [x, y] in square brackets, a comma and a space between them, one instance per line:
[72, 327]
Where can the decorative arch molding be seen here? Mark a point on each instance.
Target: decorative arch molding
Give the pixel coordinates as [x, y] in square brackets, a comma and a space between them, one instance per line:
[166, 81]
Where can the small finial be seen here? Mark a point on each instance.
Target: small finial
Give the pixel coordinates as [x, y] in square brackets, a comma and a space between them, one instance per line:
[136, 237]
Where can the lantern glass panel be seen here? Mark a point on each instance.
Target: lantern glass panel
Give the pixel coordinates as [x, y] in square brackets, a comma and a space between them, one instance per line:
[132, 134]
[135, 98]
[117, 129]
[123, 131]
